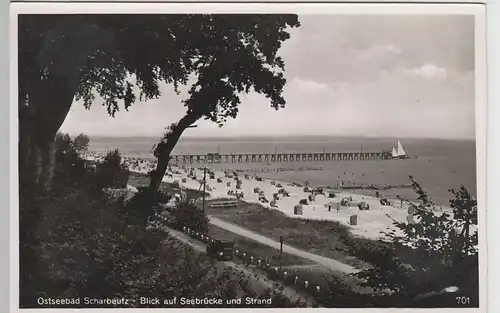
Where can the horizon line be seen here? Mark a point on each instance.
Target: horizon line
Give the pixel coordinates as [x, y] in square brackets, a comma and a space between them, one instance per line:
[283, 136]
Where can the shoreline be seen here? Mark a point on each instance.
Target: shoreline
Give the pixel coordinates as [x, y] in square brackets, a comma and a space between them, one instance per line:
[370, 223]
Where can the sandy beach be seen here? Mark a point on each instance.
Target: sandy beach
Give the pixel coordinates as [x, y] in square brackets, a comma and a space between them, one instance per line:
[370, 223]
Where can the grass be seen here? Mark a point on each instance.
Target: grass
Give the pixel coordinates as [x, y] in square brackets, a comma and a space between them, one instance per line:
[327, 238]
[255, 248]
[330, 239]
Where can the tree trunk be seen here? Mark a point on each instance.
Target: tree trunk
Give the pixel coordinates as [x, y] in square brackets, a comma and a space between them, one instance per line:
[39, 121]
[171, 140]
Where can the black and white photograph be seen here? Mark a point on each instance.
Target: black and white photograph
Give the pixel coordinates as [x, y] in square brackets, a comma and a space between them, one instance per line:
[248, 156]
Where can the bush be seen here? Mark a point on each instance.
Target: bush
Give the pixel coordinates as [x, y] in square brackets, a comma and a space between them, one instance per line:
[112, 172]
[69, 166]
[436, 252]
[189, 215]
[87, 248]
[145, 203]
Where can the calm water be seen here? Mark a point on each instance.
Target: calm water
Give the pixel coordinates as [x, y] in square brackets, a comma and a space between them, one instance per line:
[441, 164]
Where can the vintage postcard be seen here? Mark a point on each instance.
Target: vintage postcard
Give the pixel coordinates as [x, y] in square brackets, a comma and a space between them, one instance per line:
[248, 156]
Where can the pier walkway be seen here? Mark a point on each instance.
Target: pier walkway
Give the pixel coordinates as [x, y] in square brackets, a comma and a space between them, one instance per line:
[281, 157]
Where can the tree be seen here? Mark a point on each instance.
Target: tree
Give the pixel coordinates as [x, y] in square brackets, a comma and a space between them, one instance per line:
[81, 143]
[67, 57]
[112, 172]
[435, 252]
[69, 164]
[246, 59]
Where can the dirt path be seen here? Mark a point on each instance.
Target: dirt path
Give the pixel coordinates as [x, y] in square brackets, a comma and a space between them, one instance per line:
[329, 263]
[257, 281]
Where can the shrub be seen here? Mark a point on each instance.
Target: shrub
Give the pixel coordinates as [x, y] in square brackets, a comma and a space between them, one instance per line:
[436, 252]
[69, 166]
[112, 172]
[189, 215]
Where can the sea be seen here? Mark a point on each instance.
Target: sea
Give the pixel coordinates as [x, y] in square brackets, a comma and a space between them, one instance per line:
[438, 165]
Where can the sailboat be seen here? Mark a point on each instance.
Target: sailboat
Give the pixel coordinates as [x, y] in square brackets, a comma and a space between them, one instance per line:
[401, 151]
[394, 153]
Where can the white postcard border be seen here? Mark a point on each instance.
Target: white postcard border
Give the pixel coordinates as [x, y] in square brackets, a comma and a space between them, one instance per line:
[318, 8]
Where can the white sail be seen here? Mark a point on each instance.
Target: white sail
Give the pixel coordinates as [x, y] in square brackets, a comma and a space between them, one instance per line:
[394, 153]
[401, 151]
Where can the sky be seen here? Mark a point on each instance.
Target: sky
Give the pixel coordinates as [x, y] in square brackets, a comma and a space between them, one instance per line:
[347, 75]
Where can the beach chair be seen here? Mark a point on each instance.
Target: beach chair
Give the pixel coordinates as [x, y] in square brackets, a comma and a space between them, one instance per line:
[303, 202]
[363, 206]
[345, 202]
[298, 210]
[353, 220]
[311, 197]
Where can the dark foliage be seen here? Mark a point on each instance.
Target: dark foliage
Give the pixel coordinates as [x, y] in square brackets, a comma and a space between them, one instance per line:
[70, 167]
[81, 143]
[191, 216]
[436, 252]
[84, 247]
[122, 58]
[112, 172]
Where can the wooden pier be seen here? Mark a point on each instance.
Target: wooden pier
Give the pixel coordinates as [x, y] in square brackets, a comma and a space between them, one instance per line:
[281, 157]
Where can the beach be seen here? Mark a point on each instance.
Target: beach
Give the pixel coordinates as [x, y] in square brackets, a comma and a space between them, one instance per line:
[440, 164]
[371, 223]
